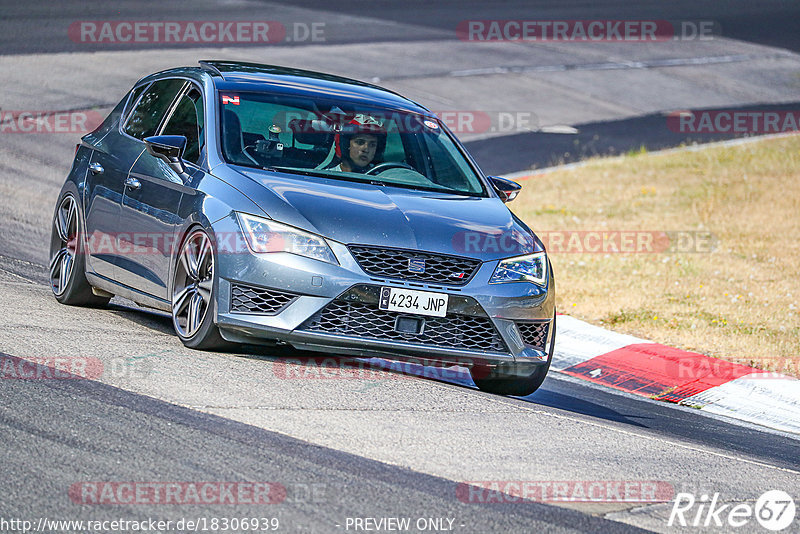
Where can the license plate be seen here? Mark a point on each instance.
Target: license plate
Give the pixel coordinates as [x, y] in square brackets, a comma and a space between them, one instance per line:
[412, 301]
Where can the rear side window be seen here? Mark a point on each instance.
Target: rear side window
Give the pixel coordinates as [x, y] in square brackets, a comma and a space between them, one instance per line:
[149, 111]
[134, 96]
[187, 120]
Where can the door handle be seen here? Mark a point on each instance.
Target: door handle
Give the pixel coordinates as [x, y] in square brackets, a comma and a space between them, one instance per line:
[96, 168]
[132, 183]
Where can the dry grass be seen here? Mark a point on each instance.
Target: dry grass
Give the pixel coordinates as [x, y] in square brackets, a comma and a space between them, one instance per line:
[739, 302]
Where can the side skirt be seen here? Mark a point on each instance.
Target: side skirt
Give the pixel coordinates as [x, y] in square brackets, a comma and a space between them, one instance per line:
[115, 288]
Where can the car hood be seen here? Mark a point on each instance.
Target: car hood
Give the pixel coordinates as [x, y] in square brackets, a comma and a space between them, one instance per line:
[366, 214]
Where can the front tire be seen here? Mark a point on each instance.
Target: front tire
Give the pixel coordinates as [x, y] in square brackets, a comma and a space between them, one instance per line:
[193, 299]
[502, 381]
[68, 257]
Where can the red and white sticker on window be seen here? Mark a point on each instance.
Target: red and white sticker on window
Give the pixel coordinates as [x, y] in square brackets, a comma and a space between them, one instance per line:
[227, 99]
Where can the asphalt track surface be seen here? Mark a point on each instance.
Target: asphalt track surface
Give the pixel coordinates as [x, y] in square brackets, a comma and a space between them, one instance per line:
[395, 445]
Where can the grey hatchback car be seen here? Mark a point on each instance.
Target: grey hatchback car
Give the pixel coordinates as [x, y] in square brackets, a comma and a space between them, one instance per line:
[261, 204]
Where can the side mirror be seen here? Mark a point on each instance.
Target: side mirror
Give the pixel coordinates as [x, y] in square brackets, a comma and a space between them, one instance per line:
[169, 148]
[507, 189]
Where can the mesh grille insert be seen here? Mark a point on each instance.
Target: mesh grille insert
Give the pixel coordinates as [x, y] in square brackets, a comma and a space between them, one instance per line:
[394, 263]
[246, 299]
[368, 321]
[534, 334]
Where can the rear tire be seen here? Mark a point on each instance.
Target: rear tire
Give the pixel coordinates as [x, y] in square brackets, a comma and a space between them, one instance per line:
[503, 381]
[68, 257]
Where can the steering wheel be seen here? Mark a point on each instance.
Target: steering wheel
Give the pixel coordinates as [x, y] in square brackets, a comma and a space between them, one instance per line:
[389, 165]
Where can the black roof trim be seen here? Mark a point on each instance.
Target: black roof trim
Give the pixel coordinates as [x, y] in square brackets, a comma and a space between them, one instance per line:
[232, 71]
[209, 66]
[244, 67]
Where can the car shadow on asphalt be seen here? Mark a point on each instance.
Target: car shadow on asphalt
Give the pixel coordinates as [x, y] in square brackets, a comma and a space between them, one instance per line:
[570, 403]
[309, 364]
[149, 318]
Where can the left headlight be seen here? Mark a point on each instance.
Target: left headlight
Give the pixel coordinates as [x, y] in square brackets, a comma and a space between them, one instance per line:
[528, 268]
[266, 235]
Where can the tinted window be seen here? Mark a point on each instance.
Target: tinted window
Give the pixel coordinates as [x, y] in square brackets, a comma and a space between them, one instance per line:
[445, 161]
[394, 147]
[187, 120]
[155, 102]
[134, 96]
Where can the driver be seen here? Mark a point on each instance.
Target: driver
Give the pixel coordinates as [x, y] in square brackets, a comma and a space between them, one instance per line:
[360, 142]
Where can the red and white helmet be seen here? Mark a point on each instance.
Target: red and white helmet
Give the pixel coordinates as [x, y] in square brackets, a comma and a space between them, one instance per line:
[361, 124]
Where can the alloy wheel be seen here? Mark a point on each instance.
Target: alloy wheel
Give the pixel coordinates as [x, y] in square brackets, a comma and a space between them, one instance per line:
[62, 262]
[193, 285]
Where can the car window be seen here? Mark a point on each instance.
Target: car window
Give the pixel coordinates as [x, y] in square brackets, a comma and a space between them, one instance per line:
[134, 96]
[187, 120]
[149, 111]
[343, 140]
[394, 147]
[445, 161]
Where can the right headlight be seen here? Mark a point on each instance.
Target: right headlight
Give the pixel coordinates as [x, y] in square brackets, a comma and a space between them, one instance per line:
[265, 235]
[528, 268]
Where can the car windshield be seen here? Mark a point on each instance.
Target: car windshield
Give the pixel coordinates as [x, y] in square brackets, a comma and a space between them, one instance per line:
[343, 140]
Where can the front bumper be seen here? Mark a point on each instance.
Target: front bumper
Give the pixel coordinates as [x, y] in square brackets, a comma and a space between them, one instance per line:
[318, 306]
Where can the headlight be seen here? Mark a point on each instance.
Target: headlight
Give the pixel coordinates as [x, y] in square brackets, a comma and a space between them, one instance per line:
[529, 268]
[265, 235]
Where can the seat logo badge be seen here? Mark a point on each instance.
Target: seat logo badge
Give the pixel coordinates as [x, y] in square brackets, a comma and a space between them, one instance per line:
[416, 266]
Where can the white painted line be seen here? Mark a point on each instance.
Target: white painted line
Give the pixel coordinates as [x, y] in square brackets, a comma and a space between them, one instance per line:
[648, 436]
[559, 129]
[616, 65]
[762, 399]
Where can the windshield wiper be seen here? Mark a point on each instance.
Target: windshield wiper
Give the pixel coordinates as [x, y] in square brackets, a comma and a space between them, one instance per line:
[365, 180]
[326, 174]
[295, 170]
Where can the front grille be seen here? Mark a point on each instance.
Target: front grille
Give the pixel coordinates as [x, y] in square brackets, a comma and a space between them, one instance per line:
[368, 321]
[534, 335]
[246, 299]
[393, 263]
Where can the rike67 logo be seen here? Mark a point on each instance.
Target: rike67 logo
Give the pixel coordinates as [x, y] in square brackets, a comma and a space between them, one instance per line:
[774, 510]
